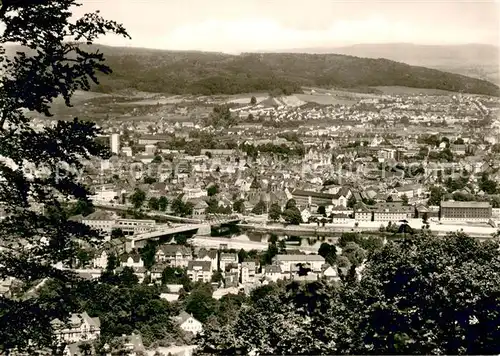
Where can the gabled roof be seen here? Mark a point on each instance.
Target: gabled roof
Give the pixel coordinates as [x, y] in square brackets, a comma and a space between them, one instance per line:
[229, 256]
[136, 341]
[306, 258]
[75, 350]
[171, 250]
[99, 215]
[205, 266]
[135, 257]
[249, 265]
[183, 317]
[309, 193]
[210, 253]
[272, 269]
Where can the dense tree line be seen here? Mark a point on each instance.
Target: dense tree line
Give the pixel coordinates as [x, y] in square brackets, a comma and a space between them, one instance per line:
[420, 295]
[279, 150]
[179, 73]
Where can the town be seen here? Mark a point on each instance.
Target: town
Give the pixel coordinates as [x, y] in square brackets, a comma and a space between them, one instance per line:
[238, 193]
[228, 178]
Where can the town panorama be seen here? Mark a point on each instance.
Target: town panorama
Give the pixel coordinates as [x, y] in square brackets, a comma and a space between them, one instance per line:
[270, 215]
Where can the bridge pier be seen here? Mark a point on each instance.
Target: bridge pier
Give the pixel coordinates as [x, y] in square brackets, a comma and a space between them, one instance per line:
[204, 230]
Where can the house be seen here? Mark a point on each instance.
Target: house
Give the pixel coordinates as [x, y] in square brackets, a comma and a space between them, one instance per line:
[342, 196]
[306, 198]
[199, 208]
[330, 273]
[231, 278]
[78, 349]
[100, 260]
[135, 226]
[458, 150]
[139, 272]
[194, 193]
[392, 212]
[209, 255]
[133, 344]
[411, 190]
[232, 268]
[363, 214]
[289, 263]
[188, 323]
[340, 218]
[157, 272]
[248, 272]
[79, 327]
[199, 271]
[227, 258]
[133, 260]
[272, 272]
[170, 297]
[174, 255]
[219, 293]
[100, 220]
[6, 286]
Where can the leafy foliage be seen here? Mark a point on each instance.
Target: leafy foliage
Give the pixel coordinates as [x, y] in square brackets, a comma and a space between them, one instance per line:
[329, 252]
[292, 216]
[48, 67]
[122, 308]
[274, 212]
[421, 295]
[283, 73]
[138, 198]
[181, 208]
[259, 208]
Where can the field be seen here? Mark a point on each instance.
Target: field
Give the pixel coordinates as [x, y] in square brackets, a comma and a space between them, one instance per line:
[395, 90]
[326, 99]
[176, 99]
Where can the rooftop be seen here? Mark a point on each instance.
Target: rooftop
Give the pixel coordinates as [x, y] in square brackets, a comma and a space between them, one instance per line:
[465, 204]
[307, 258]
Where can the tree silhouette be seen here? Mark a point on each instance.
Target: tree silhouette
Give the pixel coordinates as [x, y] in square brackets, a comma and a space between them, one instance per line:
[274, 212]
[46, 67]
[138, 198]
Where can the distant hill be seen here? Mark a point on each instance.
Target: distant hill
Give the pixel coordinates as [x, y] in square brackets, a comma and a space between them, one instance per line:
[206, 73]
[474, 60]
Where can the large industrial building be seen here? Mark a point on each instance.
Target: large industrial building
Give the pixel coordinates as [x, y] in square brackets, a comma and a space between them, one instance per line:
[465, 211]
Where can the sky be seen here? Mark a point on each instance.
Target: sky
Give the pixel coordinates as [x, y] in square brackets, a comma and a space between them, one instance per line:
[235, 26]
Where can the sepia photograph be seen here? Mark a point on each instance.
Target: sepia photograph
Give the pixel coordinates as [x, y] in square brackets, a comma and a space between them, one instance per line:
[249, 177]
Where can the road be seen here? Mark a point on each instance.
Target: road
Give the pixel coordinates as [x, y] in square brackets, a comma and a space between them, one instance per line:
[480, 231]
[239, 243]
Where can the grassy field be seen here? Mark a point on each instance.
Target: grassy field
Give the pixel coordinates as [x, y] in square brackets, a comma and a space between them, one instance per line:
[326, 99]
[397, 90]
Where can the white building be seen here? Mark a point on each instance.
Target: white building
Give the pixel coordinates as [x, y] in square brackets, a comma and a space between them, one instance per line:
[289, 263]
[227, 259]
[127, 151]
[199, 271]
[100, 220]
[135, 226]
[189, 324]
[131, 260]
[150, 149]
[248, 272]
[272, 273]
[104, 194]
[209, 255]
[115, 143]
[79, 327]
[194, 193]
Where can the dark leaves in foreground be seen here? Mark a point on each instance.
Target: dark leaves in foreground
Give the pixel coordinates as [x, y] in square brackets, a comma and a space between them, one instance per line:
[39, 168]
